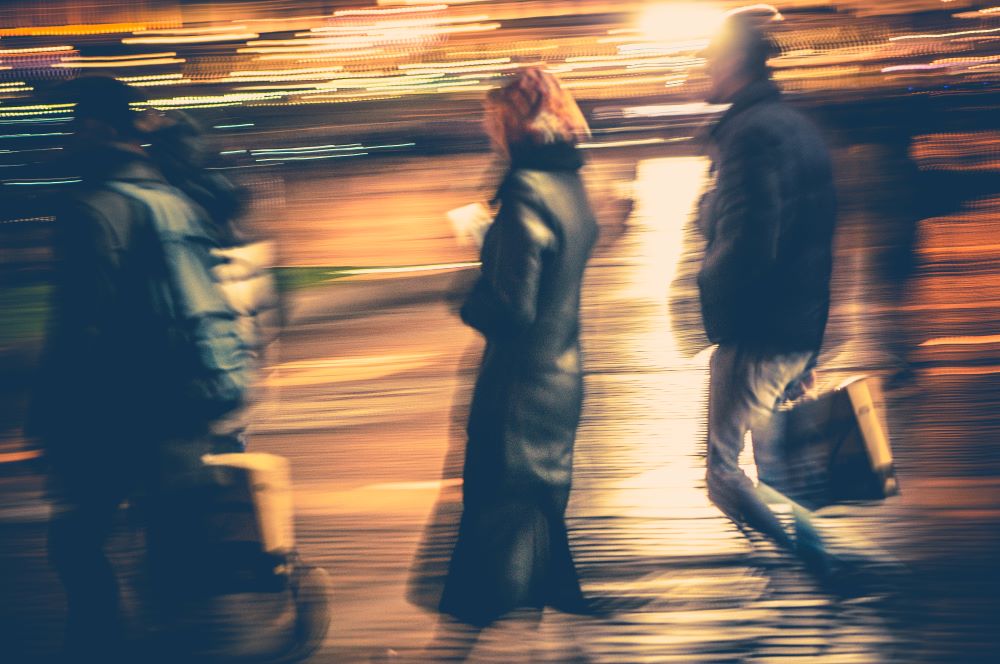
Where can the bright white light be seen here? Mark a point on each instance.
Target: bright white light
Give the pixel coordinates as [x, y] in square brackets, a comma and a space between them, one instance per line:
[681, 21]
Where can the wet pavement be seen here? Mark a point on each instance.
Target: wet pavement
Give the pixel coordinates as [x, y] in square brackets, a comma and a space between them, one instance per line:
[370, 411]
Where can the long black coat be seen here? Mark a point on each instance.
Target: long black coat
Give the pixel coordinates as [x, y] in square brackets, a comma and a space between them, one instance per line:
[513, 549]
[769, 221]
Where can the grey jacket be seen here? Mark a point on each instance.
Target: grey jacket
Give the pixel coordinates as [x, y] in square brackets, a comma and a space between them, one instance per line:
[768, 221]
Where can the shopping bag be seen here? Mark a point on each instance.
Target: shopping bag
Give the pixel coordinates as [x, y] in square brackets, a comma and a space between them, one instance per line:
[829, 450]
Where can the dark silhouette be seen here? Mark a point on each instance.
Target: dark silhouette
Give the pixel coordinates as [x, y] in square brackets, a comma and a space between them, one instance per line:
[764, 281]
[147, 367]
[512, 548]
[101, 407]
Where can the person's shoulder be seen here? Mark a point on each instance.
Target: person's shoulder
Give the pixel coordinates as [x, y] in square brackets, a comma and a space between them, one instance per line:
[773, 124]
[99, 205]
[525, 185]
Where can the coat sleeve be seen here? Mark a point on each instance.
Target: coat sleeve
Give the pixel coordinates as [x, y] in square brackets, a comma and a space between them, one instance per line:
[743, 233]
[506, 297]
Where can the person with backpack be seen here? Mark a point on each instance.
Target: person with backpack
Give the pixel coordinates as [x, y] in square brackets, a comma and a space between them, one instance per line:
[148, 362]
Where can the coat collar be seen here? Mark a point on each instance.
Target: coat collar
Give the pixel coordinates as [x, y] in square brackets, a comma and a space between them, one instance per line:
[550, 157]
[115, 162]
[758, 92]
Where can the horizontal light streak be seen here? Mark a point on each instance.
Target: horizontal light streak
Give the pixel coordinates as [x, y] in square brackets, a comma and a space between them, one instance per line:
[614, 81]
[78, 64]
[313, 158]
[942, 35]
[623, 144]
[466, 71]
[150, 77]
[36, 50]
[921, 67]
[206, 101]
[397, 25]
[192, 39]
[278, 78]
[286, 72]
[240, 125]
[52, 133]
[67, 118]
[963, 341]
[308, 148]
[8, 113]
[133, 56]
[40, 182]
[347, 41]
[455, 65]
[320, 56]
[345, 49]
[81, 29]
[191, 31]
[967, 61]
[390, 12]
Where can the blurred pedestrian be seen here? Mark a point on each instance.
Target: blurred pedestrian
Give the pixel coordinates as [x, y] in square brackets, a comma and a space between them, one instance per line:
[92, 408]
[512, 549]
[177, 145]
[144, 356]
[764, 282]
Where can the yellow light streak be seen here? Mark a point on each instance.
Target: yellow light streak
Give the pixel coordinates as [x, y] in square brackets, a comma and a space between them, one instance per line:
[192, 39]
[40, 49]
[318, 48]
[149, 77]
[311, 41]
[83, 29]
[154, 84]
[284, 72]
[115, 58]
[390, 12]
[465, 63]
[397, 24]
[321, 56]
[942, 35]
[191, 31]
[76, 64]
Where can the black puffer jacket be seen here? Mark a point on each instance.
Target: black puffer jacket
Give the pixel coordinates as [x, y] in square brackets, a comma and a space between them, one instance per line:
[769, 221]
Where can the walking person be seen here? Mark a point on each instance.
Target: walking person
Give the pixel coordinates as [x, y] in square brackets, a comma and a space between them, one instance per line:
[96, 408]
[764, 281]
[513, 550]
[146, 368]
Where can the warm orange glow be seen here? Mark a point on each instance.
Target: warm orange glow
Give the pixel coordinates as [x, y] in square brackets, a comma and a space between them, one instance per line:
[84, 29]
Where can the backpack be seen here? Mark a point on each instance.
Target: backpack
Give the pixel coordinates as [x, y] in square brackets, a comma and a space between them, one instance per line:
[210, 353]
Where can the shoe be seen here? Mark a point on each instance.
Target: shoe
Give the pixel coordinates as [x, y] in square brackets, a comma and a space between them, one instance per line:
[311, 587]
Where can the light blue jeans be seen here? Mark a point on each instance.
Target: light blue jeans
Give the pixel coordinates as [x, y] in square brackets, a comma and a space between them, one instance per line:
[745, 388]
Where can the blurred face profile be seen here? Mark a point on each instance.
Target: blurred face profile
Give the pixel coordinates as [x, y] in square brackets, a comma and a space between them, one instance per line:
[724, 66]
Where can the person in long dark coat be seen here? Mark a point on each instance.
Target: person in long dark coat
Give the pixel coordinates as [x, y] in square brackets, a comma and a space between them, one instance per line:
[512, 549]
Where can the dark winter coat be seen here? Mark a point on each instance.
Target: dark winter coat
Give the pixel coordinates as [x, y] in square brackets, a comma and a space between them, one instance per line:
[107, 388]
[513, 549]
[99, 384]
[768, 222]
